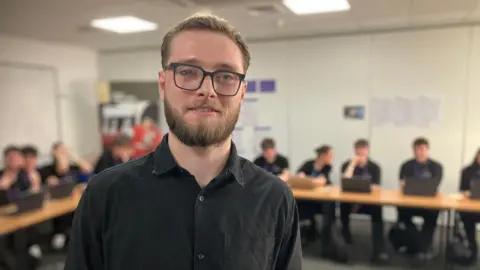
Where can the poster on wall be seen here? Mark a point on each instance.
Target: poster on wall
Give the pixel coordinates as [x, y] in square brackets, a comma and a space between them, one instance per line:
[131, 109]
[356, 112]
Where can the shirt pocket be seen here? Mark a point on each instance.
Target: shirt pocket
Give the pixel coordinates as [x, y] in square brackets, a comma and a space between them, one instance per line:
[245, 252]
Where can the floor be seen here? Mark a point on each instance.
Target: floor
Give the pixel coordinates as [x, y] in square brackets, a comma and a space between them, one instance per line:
[359, 253]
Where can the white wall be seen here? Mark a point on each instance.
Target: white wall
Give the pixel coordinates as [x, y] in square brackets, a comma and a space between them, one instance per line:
[317, 77]
[76, 74]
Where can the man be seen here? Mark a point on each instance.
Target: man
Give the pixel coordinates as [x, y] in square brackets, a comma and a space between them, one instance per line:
[121, 152]
[420, 167]
[193, 203]
[319, 169]
[30, 155]
[63, 168]
[271, 161]
[362, 166]
[13, 178]
[470, 176]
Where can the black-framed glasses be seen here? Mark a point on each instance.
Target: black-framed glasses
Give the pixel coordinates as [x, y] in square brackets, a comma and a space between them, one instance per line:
[190, 78]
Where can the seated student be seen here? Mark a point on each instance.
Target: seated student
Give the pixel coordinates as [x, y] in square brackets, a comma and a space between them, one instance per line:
[30, 155]
[271, 161]
[320, 169]
[61, 167]
[120, 152]
[420, 167]
[361, 165]
[470, 220]
[16, 178]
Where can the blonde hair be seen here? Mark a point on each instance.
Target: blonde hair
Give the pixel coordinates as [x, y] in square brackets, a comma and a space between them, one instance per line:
[205, 22]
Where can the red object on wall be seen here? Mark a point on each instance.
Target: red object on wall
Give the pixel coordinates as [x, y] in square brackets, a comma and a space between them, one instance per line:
[145, 140]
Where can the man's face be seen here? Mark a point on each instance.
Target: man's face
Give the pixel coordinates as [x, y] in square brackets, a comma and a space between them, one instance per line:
[31, 161]
[421, 152]
[61, 150]
[362, 152]
[327, 157]
[269, 154]
[14, 160]
[214, 122]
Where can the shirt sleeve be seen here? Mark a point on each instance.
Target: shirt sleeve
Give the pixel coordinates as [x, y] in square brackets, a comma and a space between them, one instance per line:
[285, 164]
[85, 248]
[376, 174]
[258, 162]
[344, 167]
[304, 168]
[437, 172]
[465, 180]
[290, 253]
[403, 174]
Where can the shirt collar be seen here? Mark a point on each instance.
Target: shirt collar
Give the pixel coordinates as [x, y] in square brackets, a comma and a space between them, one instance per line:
[164, 162]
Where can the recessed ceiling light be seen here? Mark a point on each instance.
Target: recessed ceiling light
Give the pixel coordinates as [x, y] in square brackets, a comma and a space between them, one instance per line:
[124, 25]
[304, 7]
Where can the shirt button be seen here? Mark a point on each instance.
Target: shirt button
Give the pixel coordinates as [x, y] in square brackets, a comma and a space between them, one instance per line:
[201, 256]
[201, 198]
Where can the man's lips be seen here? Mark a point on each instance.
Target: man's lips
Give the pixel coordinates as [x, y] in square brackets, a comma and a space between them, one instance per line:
[203, 109]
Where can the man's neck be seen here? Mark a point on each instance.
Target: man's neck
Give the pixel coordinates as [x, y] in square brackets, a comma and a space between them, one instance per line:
[205, 163]
[318, 165]
[421, 160]
[270, 160]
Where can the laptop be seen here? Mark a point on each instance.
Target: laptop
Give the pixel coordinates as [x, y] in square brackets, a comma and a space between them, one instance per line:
[4, 199]
[357, 184]
[298, 182]
[475, 189]
[27, 202]
[62, 190]
[425, 187]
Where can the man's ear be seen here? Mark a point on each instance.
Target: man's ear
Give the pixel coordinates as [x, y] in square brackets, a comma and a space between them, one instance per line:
[161, 84]
[243, 88]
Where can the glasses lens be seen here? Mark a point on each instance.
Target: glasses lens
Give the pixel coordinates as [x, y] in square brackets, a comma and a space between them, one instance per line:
[226, 83]
[188, 77]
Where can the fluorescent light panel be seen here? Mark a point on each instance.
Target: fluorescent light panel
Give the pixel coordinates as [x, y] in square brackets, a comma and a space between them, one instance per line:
[124, 25]
[305, 7]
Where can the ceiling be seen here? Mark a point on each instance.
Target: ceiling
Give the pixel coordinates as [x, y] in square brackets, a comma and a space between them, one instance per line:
[68, 20]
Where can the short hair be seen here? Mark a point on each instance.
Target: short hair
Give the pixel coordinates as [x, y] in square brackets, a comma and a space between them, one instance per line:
[420, 141]
[11, 148]
[267, 143]
[30, 150]
[323, 150]
[360, 143]
[121, 141]
[205, 22]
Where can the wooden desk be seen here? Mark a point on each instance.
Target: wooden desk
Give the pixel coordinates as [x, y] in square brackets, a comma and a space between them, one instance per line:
[378, 197]
[50, 210]
[467, 205]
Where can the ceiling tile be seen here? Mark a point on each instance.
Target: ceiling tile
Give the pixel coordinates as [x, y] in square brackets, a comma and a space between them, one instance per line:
[364, 10]
[442, 6]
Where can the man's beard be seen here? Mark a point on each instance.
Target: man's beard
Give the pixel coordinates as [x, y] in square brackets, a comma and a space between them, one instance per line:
[201, 135]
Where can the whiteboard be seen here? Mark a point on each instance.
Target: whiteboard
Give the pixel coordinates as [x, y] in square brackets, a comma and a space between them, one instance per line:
[28, 107]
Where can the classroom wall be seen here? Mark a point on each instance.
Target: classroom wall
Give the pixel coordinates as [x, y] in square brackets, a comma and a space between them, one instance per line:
[76, 71]
[318, 76]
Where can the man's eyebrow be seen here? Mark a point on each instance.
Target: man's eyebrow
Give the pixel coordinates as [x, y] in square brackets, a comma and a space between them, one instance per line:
[195, 61]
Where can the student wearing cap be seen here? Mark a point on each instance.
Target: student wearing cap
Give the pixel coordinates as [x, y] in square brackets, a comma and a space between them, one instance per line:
[271, 160]
[362, 166]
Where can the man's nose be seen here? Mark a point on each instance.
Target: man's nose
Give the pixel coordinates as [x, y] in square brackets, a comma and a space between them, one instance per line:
[207, 88]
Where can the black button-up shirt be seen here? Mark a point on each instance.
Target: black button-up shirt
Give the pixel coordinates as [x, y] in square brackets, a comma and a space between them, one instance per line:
[151, 214]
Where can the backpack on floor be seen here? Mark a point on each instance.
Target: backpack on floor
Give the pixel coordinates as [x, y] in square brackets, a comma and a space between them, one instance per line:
[402, 239]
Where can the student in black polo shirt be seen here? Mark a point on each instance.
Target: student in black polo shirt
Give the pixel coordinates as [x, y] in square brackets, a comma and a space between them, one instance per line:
[421, 166]
[271, 161]
[362, 166]
[470, 220]
[318, 168]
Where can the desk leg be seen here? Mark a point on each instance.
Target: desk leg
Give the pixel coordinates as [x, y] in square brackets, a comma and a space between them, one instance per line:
[448, 230]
